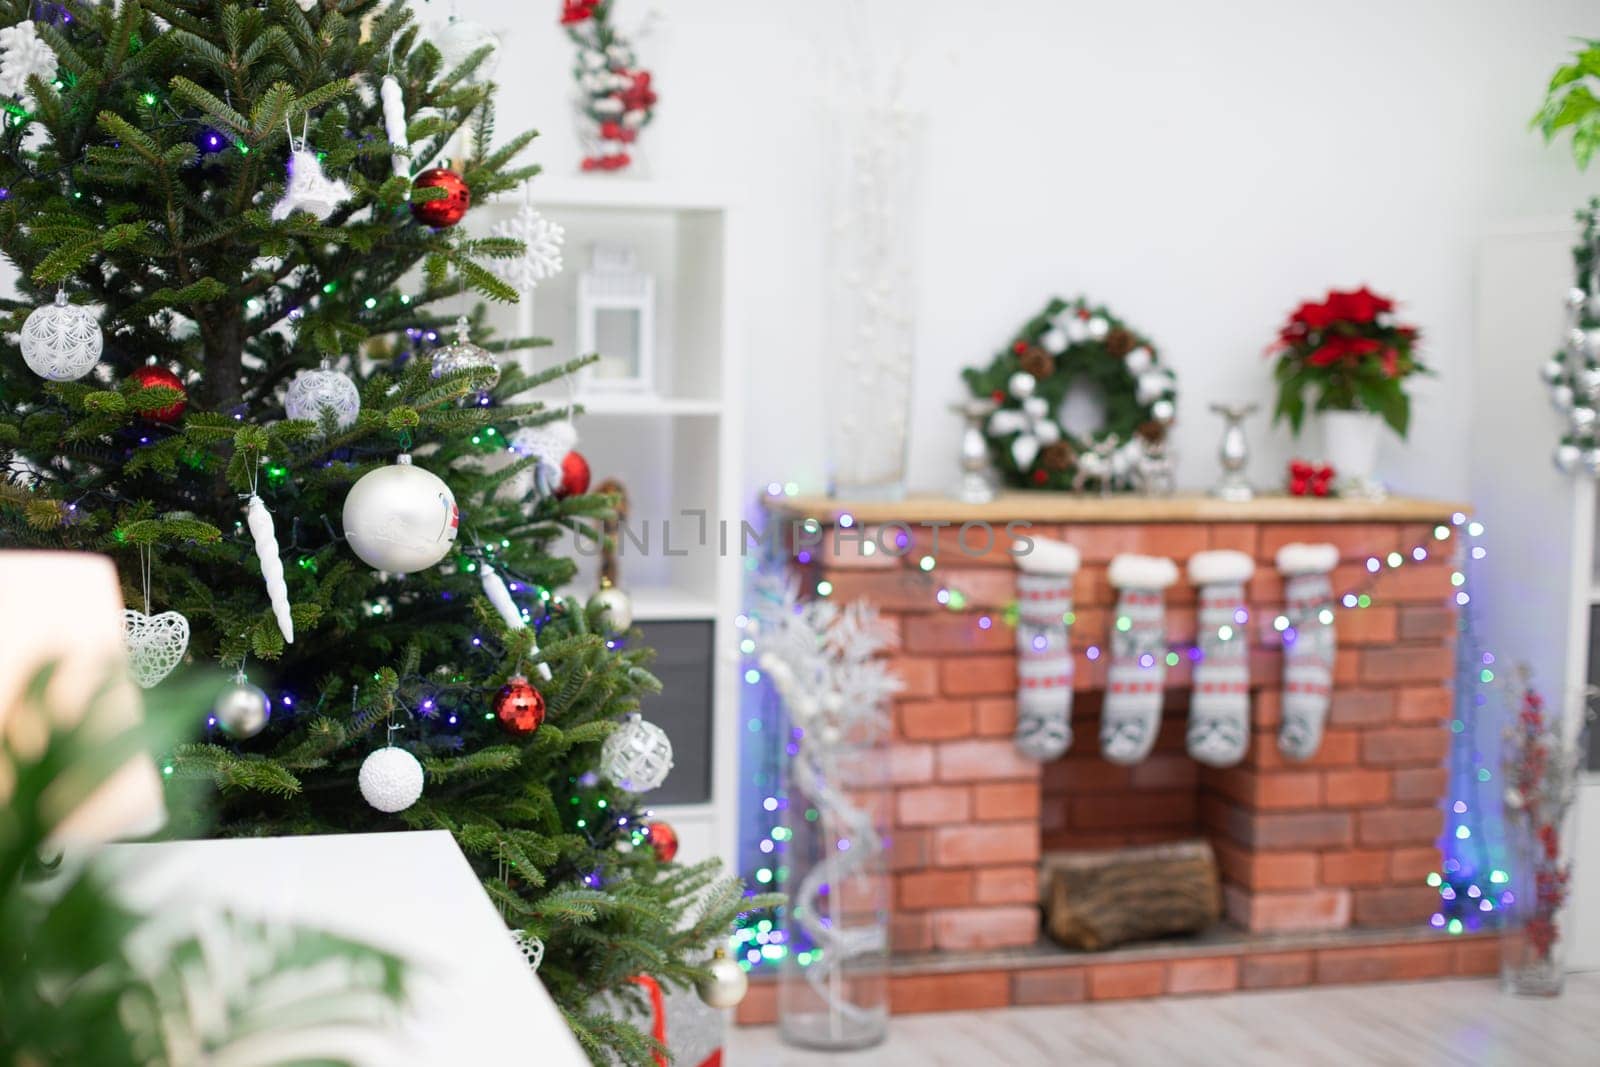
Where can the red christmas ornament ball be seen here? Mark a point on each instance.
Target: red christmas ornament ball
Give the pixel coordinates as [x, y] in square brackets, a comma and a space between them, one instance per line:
[664, 840]
[519, 706]
[574, 475]
[147, 377]
[443, 212]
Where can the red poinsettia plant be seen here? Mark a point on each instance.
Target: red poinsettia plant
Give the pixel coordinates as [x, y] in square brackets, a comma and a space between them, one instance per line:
[1345, 354]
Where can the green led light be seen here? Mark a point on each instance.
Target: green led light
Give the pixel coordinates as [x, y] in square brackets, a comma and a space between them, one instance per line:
[1458, 579]
[926, 563]
[1225, 633]
[1363, 601]
[1457, 726]
[1069, 617]
[1462, 833]
[1395, 559]
[1483, 774]
[764, 876]
[1486, 675]
[811, 815]
[1434, 879]
[582, 823]
[791, 488]
[150, 99]
[1441, 533]
[330, 287]
[370, 302]
[600, 803]
[824, 588]
[1281, 623]
[747, 646]
[1172, 659]
[1325, 616]
[1124, 623]
[1455, 926]
[1499, 877]
[167, 770]
[958, 600]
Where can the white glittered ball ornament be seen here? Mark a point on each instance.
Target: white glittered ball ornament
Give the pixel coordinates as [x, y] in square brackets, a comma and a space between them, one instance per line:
[637, 756]
[1054, 341]
[400, 518]
[390, 779]
[1021, 385]
[725, 985]
[1138, 361]
[1098, 328]
[314, 391]
[61, 342]
[1163, 411]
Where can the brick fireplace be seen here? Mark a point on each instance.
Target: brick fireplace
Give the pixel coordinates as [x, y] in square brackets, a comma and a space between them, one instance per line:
[1319, 859]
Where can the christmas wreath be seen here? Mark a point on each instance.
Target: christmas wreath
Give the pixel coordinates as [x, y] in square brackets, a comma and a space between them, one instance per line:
[1067, 346]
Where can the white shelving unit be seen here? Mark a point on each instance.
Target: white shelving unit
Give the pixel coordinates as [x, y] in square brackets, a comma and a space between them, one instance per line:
[1535, 598]
[677, 451]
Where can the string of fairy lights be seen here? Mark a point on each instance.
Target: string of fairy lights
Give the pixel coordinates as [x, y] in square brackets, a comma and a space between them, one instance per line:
[1472, 888]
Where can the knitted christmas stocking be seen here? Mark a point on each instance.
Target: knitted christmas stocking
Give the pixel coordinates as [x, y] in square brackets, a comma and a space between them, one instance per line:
[1044, 650]
[1309, 646]
[1132, 712]
[1219, 706]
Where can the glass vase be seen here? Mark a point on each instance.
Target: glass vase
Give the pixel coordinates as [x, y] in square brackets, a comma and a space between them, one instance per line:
[833, 984]
[1533, 941]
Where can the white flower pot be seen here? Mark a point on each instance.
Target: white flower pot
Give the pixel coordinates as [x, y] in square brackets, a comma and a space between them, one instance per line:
[1350, 447]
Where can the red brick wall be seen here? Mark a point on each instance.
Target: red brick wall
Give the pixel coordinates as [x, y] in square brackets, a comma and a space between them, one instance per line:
[1343, 839]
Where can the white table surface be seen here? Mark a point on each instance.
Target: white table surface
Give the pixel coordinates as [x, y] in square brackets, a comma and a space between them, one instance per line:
[472, 998]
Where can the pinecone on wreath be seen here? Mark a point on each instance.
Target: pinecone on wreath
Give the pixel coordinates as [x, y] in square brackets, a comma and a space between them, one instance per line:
[1058, 457]
[1036, 361]
[1119, 342]
[1152, 432]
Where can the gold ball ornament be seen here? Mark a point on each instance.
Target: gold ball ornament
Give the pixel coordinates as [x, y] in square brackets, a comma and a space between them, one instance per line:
[725, 985]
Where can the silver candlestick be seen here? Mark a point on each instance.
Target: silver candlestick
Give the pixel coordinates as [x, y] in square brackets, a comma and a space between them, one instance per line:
[979, 483]
[1234, 454]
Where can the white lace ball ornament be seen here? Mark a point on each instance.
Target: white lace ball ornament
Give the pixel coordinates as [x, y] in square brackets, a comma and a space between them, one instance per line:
[461, 355]
[61, 342]
[532, 948]
[400, 518]
[637, 756]
[313, 390]
[390, 779]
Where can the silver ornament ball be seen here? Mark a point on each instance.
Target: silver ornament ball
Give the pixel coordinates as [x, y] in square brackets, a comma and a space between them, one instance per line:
[727, 983]
[462, 355]
[637, 756]
[314, 391]
[1163, 411]
[242, 710]
[1552, 371]
[616, 608]
[1582, 420]
[400, 518]
[1567, 458]
[61, 342]
[390, 780]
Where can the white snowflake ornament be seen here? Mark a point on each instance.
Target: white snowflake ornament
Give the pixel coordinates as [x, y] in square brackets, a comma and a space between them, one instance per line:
[542, 240]
[309, 189]
[22, 55]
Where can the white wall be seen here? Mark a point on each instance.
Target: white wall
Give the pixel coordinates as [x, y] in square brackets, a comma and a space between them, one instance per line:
[1198, 167]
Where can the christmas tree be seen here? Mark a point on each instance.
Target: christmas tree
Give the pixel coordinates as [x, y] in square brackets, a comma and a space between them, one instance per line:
[205, 201]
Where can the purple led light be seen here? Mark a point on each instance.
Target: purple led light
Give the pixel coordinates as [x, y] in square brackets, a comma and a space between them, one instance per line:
[1241, 616]
[1040, 642]
[1093, 652]
[804, 557]
[452, 720]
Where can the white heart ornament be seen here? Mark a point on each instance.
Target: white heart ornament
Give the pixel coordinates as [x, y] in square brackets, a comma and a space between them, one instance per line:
[155, 643]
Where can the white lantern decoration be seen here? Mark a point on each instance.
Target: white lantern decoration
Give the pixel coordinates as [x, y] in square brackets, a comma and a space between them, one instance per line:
[617, 321]
[61, 342]
[637, 756]
[312, 391]
[400, 518]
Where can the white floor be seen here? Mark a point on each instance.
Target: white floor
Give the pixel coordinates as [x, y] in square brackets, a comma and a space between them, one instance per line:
[1447, 1022]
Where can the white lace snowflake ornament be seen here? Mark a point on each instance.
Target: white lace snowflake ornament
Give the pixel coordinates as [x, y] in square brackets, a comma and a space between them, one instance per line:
[542, 240]
[23, 54]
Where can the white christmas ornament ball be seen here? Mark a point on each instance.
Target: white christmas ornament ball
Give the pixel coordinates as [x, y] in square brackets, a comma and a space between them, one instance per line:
[1552, 371]
[1053, 341]
[1138, 361]
[727, 983]
[313, 390]
[1163, 411]
[1561, 397]
[1098, 328]
[400, 518]
[1021, 385]
[242, 710]
[61, 342]
[616, 608]
[390, 779]
[637, 756]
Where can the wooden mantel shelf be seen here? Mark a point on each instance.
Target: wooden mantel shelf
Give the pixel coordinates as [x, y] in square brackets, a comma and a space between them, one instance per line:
[1081, 508]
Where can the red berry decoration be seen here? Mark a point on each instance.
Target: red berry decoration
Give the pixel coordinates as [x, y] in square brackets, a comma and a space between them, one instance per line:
[574, 475]
[146, 377]
[519, 706]
[664, 839]
[444, 212]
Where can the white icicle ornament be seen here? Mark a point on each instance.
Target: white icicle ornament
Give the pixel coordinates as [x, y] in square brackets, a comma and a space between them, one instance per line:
[394, 125]
[494, 587]
[266, 539]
